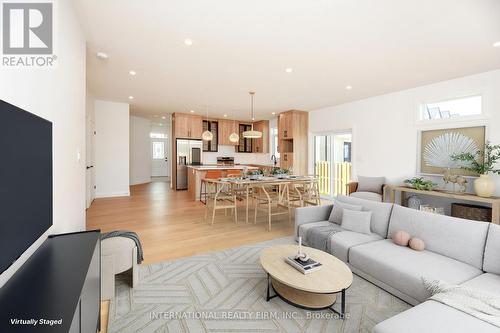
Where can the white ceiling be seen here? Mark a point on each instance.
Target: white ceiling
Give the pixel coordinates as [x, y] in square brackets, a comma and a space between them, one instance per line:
[374, 46]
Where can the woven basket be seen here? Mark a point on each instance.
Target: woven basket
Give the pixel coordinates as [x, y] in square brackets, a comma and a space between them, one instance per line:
[471, 212]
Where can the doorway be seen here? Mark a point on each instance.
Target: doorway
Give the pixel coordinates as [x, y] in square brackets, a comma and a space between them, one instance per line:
[90, 160]
[160, 166]
[333, 163]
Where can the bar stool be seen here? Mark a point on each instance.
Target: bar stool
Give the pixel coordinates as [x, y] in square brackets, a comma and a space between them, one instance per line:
[233, 173]
[209, 174]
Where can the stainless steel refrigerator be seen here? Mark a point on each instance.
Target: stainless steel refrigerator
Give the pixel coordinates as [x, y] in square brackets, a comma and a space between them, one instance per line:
[188, 153]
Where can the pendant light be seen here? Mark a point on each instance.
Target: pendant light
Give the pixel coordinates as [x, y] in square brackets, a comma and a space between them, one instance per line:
[207, 135]
[252, 134]
[234, 137]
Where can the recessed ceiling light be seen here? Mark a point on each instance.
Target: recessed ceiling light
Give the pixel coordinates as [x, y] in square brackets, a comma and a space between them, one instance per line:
[348, 87]
[225, 116]
[131, 97]
[132, 72]
[273, 113]
[289, 70]
[188, 42]
[192, 111]
[163, 117]
[102, 55]
[496, 44]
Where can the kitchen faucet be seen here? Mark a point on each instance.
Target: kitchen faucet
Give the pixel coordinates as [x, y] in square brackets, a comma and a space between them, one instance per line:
[274, 159]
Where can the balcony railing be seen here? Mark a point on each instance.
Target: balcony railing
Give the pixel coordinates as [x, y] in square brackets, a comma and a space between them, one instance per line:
[342, 176]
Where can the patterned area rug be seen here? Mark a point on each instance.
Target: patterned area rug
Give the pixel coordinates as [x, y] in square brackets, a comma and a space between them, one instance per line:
[225, 292]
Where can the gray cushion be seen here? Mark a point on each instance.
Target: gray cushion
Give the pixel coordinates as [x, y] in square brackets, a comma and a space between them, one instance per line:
[342, 242]
[456, 238]
[367, 196]
[370, 184]
[487, 282]
[381, 212]
[403, 268]
[338, 207]
[433, 317]
[356, 221]
[492, 250]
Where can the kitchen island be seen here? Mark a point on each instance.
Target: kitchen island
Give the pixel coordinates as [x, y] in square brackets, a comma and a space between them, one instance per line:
[197, 172]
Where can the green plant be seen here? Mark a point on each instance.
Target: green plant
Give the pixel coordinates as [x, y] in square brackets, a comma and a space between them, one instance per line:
[280, 171]
[420, 183]
[482, 161]
[256, 172]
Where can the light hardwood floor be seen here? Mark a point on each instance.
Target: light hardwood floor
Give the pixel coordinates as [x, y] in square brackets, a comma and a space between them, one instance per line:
[170, 225]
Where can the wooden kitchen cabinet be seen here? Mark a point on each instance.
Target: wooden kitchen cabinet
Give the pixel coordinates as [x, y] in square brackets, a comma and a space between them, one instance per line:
[293, 127]
[187, 126]
[226, 128]
[261, 145]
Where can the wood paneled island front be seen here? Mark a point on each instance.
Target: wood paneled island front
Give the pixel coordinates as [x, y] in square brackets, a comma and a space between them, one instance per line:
[197, 172]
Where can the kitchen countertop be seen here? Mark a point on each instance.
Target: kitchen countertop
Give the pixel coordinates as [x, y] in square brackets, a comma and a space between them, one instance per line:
[220, 167]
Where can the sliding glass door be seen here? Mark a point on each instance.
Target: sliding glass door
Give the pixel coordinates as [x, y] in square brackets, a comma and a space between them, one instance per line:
[332, 163]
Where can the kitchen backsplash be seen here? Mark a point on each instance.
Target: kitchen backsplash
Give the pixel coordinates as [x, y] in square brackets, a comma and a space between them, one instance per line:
[239, 158]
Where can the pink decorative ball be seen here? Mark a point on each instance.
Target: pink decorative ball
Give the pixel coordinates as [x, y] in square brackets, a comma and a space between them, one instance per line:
[417, 244]
[401, 238]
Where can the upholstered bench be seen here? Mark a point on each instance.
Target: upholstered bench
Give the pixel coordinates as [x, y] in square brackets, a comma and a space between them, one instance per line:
[118, 254]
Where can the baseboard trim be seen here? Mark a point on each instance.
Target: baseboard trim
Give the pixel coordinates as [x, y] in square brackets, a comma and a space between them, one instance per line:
[112, 194]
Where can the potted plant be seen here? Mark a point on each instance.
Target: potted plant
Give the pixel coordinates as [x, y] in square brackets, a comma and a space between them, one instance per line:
[482, 162]
[420, 183]
[255, 174]
[280, 173]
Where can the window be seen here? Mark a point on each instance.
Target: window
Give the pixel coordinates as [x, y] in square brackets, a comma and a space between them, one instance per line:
[274, 141]
[212, 145]
[158, 150]
[452, 109]
[158, 135]
[245, 145]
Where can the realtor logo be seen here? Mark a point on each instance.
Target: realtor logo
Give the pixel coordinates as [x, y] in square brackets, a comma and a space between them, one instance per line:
[27, 29]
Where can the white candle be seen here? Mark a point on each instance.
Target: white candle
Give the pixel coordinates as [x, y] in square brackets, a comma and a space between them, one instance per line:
[300, 245]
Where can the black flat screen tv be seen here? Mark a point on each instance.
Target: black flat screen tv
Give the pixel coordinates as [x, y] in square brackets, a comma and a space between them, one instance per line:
[25, 181]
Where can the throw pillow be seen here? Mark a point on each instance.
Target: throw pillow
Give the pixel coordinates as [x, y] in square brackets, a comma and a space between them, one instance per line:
[401, 238]
[370, 184]
[417, 244]
[357, 221]
[338, 207]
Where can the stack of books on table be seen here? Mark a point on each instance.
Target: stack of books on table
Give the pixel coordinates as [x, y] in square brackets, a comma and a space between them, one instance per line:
[305, 267]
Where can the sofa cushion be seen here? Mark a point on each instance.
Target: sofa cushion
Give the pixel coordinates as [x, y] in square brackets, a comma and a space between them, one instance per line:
[460, 239]
[381, 212]
[433, 317]
[367, 196]
[338, 209]
[487, 282]
[356, 221]
[342, 242]
[403, 268]
[370, 184]
[492, 250]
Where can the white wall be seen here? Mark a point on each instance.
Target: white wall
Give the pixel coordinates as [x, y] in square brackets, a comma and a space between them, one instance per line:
[140, 150]
[112, 149]
[57, 94]
[385, 128]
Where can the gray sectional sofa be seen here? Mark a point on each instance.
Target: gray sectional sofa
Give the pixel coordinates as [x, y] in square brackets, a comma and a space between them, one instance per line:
[457, 251]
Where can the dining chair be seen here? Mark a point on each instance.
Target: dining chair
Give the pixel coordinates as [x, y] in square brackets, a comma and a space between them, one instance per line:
[306, 192]
[220, 195]
[209, 174]
[272, 194]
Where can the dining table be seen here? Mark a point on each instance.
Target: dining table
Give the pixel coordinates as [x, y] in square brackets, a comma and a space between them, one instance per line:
[249, 182]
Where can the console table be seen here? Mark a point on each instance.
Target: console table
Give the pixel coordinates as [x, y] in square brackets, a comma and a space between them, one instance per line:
[493, 201]
[58, 286]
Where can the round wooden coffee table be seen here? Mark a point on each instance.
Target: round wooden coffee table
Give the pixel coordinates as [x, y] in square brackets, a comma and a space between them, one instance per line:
[314, 291]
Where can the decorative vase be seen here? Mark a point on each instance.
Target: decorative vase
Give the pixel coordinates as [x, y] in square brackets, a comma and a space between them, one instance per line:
[484, 186]
[414, 202]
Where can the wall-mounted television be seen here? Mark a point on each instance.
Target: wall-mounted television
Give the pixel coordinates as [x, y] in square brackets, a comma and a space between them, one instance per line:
[25, 181]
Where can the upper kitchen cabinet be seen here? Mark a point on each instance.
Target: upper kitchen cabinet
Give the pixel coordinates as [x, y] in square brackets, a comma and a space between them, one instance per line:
[261, 145]
[226, 128]
[187, 126]
[286, 125]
